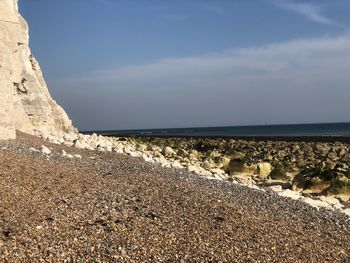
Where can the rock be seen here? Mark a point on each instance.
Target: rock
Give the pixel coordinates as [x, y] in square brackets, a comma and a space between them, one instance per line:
[25, 102]
[283, 184]
[332, 155]
[289, 193]
[215, 154]
[81, 144]
[264, 169]
[135, 154]
[330, 165]
[168, 152]
[192, 169]
[244, 179]
[315, 186]
[279, 173]
[218, 177]
[237, 166]
[118, 148]
[329, 200]
[237, 155]
[300, 162]
[194, 154]
[182, 153]
[32, 149]
[141, 147]
[177, 165]
[223, 162]
[109, 148]
[275, 188]
[347, 211]
[208, 164]
[146, 158]
[338, 206]
[340, 187]
[217, 171]
[157, 154]
[69, 144]
[78, 156]
[64, 154]
[298, 183]
[205, 173]
[342, 152]
[45, 150]
[322, 148]
[103, 149]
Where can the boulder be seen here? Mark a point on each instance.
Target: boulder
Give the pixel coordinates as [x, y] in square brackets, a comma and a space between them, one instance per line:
[168, 152]
[279, 173]
[238, 166]
[340, 187]
[264, 169]
[316, 186]
[309, 185]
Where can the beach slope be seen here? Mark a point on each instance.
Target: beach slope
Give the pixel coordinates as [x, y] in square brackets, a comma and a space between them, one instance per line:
[107, 207]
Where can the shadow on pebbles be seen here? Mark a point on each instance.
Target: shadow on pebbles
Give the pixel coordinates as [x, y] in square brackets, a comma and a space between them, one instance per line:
[107, 207]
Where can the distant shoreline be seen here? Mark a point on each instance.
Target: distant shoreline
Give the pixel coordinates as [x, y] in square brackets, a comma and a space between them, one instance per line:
[323, 139]
[322, 132]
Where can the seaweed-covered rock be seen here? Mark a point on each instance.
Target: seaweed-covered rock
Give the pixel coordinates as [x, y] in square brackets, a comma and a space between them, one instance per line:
[239, 166]
[279, 173]
[316, 186]
[319, 179]
[340, 187]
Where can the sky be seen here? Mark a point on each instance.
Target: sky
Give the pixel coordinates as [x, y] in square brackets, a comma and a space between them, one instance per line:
[137, 64]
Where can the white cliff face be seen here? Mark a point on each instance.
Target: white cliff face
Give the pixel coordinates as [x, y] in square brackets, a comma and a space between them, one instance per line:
[25, 102]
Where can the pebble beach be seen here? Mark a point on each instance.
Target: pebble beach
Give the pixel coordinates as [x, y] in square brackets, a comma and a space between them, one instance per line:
[108, 207]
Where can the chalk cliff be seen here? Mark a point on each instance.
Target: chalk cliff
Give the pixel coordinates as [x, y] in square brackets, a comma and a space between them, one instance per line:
[25, 102]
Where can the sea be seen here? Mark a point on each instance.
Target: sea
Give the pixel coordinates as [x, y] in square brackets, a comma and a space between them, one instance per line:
[285, 130]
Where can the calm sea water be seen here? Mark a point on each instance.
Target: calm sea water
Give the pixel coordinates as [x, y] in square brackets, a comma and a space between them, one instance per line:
[293, 130]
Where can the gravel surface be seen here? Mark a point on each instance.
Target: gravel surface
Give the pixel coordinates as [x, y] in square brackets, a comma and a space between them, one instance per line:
[115, 208]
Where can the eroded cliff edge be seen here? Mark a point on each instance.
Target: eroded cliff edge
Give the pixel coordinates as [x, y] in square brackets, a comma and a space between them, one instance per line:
[25, 102]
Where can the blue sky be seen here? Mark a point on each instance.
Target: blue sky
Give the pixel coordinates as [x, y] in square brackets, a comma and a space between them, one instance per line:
[122, 64]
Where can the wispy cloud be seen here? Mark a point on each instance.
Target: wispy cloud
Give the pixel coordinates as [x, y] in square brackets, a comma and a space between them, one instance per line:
[217, 9]
[312, 11]
[296, 81]
[280, 57]
[174, 17]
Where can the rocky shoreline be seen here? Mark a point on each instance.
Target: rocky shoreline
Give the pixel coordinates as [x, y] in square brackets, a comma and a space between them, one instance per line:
[65, 204]
[316, 173]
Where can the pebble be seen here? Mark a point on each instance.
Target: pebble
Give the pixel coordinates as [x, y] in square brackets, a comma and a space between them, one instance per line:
[45, 150]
